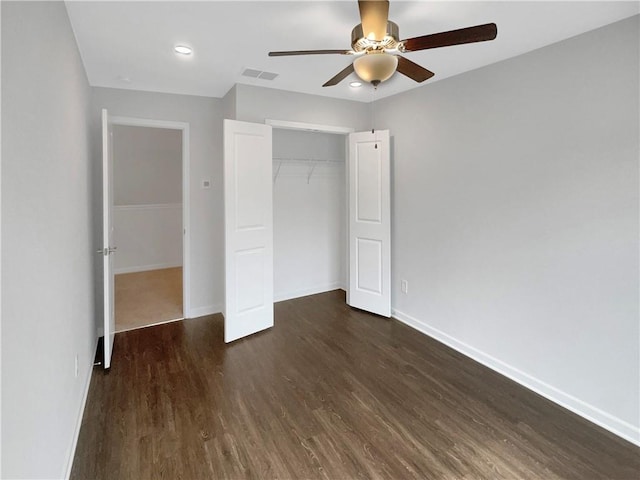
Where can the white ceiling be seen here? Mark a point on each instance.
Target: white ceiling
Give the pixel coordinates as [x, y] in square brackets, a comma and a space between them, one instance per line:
[130, 44]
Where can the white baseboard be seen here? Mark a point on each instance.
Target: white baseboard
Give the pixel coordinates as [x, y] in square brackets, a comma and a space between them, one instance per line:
[144, 268]
[202, 311]
[83, 403]
[607, 421]
[307, 291]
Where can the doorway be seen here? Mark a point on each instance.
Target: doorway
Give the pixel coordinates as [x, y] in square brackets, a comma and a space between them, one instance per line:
[310, 188]
[309, 212]
[149, 212]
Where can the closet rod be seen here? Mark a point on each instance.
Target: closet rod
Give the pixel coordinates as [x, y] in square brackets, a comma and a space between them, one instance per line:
[313, 162]
[308, 160]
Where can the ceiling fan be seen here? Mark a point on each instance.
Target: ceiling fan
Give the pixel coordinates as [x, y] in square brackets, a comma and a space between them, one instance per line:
[375, 44]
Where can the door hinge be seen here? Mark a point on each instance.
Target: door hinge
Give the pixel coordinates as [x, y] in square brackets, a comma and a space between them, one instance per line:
[107, 251]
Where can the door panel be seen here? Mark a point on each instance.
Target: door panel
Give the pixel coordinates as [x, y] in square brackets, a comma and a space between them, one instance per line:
[369, 222]
[248, 229]
[369, 261]
[368, 202]
[249, 293]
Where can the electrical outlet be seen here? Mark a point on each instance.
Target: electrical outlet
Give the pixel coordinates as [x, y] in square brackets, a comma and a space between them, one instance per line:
[76, 367]
[404, 286]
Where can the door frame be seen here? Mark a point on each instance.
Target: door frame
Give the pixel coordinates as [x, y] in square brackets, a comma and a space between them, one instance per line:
[186, 230]
[309, 127]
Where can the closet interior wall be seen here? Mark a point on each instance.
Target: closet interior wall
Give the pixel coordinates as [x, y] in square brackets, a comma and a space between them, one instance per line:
[309, 212]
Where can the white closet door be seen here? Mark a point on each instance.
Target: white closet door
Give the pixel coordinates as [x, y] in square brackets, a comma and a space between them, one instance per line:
[369, 222]
[248, 206]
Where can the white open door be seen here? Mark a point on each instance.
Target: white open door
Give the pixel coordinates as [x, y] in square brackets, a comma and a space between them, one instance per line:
[369, 222]
[248, 208]
[107, 238]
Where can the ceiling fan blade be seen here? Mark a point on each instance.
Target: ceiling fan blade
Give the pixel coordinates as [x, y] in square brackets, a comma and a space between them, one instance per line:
[310, 52]
[374, 15]
[340, 76]
[413, 70]
[479, 33]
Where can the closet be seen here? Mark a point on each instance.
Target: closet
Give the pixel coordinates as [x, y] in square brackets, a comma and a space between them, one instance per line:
[309, 212]
[288, 231]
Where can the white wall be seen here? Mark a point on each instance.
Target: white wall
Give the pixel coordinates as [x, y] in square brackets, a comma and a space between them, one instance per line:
[515, 218]
[147, 191]
[47, 276]
[309, 213]
[229, 104]
[204, 116]
[147, 165]
[148, 237]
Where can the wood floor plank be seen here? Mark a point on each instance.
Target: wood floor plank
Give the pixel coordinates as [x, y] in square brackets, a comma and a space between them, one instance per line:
[329, 393]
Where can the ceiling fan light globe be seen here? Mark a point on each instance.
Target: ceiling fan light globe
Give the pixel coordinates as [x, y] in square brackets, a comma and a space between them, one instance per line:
[375, 67]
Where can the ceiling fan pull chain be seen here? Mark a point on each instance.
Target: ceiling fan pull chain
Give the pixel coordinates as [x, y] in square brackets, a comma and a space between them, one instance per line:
[373, 115]
[373, 112]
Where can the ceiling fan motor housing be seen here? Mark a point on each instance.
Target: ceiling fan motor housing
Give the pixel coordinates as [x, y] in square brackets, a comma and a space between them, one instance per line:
[359, 43]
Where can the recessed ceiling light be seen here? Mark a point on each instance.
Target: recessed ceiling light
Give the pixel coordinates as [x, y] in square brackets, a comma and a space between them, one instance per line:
[355, 84]
[183, 49]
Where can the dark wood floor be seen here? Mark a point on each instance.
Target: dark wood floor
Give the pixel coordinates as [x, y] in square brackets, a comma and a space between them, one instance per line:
[329, 392]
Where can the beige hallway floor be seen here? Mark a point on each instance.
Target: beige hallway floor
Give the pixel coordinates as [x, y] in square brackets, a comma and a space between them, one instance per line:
[145, 298]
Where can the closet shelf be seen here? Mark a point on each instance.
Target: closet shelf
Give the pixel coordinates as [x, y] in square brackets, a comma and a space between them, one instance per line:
[311, 162]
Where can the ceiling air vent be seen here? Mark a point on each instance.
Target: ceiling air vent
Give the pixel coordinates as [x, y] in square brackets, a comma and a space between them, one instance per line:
[250, 72]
